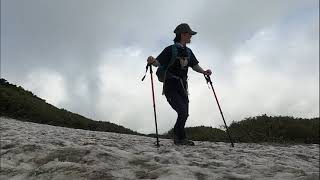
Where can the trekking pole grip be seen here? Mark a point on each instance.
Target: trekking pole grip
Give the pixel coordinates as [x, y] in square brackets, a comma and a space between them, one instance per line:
[208, 79]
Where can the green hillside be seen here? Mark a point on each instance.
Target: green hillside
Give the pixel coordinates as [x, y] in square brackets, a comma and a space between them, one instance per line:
[260, 129]
[277, 129]
[201, 133]
[280, 129]
[18, 103]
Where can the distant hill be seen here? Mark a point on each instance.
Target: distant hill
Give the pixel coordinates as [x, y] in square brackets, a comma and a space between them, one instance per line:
[280, 129]
[277, 129]
[21, 104]
[200, 133]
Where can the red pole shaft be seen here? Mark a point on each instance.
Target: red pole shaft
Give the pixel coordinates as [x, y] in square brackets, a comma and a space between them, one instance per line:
[154, 105]
[221, 112]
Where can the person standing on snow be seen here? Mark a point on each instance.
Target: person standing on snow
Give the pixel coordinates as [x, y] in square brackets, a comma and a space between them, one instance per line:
[175, 85]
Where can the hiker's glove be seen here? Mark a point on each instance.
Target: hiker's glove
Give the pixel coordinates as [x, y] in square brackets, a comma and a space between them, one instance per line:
[151, 60]
[207, 72]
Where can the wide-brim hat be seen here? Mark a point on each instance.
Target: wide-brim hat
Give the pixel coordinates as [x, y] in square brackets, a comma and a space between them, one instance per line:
[183, 28]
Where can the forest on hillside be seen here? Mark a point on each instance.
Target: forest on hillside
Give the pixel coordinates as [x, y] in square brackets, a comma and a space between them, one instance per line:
[18, 103]
[280, 129]
[259, 129]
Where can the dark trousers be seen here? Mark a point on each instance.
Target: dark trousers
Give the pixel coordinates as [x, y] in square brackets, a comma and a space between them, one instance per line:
[180, 103]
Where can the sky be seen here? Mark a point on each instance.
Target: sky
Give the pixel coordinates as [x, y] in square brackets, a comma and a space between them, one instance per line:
[89, 57]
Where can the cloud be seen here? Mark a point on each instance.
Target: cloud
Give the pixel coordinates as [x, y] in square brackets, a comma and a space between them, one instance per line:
[46, 84]
[226, 24]
[275, 71]
[126, 99]
[264, 56]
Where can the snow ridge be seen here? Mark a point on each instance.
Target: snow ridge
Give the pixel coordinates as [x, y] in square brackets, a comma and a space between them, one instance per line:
[36, 151]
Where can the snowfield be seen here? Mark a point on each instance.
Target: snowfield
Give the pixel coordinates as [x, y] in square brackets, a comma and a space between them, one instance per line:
[36, 151]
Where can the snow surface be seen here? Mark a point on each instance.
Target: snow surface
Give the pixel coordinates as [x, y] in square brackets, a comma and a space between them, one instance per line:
[36, 151]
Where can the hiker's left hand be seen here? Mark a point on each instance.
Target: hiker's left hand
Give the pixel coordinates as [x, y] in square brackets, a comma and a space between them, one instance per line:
[207, 72]
[151, 60]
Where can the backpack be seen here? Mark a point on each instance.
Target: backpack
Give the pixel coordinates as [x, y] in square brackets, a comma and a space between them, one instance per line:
[162, 69]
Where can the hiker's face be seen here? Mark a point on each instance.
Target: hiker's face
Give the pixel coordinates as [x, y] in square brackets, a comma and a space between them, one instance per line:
[186, 37]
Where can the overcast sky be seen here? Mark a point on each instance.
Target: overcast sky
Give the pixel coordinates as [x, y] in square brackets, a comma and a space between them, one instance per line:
[88, 56]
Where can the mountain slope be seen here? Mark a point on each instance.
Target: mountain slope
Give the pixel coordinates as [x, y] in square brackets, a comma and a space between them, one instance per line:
[21, 104]
[36, 151]
[18, 103]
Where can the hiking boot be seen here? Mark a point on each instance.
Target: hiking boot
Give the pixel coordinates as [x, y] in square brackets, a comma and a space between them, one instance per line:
[183, 142]
[175, 138]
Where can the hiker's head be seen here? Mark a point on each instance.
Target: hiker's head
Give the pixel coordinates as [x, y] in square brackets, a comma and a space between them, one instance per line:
[183, 33]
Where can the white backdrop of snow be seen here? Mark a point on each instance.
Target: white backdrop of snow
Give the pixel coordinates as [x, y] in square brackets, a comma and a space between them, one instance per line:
[36, 151]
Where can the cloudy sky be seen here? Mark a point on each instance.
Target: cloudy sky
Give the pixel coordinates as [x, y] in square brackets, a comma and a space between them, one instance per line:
[89, 57]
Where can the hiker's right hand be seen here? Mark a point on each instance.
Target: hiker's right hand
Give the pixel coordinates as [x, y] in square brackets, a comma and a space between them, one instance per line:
[151, 60]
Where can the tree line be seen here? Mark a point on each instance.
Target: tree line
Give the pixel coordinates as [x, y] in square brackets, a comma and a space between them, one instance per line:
[259, 129]
[18, 103]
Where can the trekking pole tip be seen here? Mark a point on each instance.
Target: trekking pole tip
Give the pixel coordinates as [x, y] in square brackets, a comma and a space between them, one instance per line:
[157, 144]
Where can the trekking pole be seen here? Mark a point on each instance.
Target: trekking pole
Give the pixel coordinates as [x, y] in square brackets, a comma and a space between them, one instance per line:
[208, 79]
[153, 98]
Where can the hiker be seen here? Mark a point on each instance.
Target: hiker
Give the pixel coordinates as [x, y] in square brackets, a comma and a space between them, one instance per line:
[175, 85]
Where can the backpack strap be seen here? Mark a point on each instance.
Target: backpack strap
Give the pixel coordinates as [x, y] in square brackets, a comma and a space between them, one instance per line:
[189, 53]
[174, 54]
